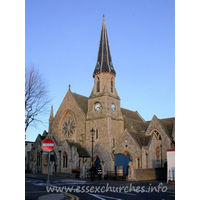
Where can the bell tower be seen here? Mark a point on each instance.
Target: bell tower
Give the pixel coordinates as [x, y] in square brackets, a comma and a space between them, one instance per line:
[104, 109]
[104, 100]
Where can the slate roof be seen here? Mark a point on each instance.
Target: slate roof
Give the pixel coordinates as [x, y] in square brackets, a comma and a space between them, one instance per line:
[168, 124]
[42, 137]
[81, 150]
[141, 138]
[134, 121]
[137, 127]
[82, 101]
[104, 60]
[131, 114]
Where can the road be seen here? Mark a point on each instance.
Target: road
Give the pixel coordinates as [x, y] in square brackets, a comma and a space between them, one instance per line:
[76, 190]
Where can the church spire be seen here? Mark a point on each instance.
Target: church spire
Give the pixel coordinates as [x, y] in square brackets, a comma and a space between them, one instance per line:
[51, 114]
[104, 61]
[51, 119]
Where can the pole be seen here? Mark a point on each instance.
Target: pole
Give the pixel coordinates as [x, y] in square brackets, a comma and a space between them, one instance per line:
[48, 170]
[92, 149]
[161, 154]
[92, 169]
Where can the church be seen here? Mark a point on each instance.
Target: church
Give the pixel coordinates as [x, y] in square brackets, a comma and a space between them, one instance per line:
[97, 130]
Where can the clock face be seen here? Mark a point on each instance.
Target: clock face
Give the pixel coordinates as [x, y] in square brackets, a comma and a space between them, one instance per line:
[113, 108]
[68, 126]
[97, 106]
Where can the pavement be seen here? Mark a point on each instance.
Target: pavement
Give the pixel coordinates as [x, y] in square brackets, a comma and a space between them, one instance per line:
[61, 196]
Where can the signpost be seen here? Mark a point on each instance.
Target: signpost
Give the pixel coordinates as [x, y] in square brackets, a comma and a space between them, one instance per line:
[48, 145]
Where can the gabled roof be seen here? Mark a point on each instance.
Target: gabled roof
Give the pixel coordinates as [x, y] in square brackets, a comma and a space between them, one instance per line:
[82, 152]
[42, 137]
[136, 126]
[141, 138]
[104, 61]
[82, 101]
[134, 121]
[131, 114]
[168, 124]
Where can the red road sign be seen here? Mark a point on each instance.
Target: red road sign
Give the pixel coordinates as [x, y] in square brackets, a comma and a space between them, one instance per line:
[48, 145]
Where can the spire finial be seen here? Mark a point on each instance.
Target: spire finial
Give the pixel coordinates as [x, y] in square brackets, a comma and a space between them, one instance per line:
[104, 61]
[69, 86]
[103, 18]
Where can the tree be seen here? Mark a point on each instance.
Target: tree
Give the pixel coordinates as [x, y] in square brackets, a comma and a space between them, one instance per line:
[36, 96]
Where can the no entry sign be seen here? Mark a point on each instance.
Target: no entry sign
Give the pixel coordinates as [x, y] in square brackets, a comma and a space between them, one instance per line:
[48, 145]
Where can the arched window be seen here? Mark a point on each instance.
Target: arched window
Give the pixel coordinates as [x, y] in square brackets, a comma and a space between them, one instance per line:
[64, 159]
[138, 162]
[112, 85]
[38, 159]
[113, 142]
[98, 85]
[97, 134]
[157, 135]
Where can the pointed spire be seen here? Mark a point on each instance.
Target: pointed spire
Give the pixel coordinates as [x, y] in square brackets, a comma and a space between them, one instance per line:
[104, 61]
[51, 119]
[51, 115]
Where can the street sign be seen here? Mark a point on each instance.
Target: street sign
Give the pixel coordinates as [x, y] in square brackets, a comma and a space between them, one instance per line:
[48, 145]
[47, 153]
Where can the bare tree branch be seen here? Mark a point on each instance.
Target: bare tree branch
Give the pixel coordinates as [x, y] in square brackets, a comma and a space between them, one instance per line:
[36, 96]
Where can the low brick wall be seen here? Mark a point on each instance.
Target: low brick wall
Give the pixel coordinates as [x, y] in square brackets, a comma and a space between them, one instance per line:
[150, 174]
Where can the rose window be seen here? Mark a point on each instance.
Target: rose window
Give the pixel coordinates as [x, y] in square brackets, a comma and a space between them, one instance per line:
[68, 126]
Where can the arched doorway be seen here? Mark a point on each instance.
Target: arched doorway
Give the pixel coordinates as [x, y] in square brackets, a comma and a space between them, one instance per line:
[121, 163]
[96, 162]
[53, 158]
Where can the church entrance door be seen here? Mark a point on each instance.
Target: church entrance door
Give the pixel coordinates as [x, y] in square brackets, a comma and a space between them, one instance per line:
[96, 162]
[121, 164]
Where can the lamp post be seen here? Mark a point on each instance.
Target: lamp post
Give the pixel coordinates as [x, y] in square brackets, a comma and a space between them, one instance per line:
[161, 154]
[92, 170]
[147, 159]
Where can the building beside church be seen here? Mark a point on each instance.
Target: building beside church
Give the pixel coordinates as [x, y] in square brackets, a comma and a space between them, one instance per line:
[121, 135]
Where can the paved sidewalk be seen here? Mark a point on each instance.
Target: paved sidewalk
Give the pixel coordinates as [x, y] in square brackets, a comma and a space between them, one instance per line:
[55, 178]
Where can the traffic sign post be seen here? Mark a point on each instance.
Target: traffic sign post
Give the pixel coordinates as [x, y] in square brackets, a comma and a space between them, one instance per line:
[48, 145]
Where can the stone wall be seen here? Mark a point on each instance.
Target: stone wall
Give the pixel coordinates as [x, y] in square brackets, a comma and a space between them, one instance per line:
[69, 105]
[150, 174]
[128, 144]
[157, 148]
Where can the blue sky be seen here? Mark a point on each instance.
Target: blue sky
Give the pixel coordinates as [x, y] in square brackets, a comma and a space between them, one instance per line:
[62, 40]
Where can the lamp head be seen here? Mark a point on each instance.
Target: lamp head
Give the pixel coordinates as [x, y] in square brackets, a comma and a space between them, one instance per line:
[92, 132]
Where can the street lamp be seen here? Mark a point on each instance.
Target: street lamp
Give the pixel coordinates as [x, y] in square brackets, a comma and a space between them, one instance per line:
[92, 172]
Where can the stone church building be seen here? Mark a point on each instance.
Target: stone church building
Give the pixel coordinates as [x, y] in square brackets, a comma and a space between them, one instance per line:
[121, 136]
